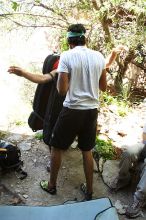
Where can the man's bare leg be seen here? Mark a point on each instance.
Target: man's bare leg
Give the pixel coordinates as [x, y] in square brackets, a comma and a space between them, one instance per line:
[88, 169]
[56, 159]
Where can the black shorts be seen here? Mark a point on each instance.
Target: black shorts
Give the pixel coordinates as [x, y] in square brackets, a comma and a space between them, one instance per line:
[73, 123]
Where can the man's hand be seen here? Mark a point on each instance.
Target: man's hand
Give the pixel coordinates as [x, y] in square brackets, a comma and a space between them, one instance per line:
[120, 48]
[115, 51]
[16, 70]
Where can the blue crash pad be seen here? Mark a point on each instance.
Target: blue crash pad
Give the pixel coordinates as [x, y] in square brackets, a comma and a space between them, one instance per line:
[74, 211]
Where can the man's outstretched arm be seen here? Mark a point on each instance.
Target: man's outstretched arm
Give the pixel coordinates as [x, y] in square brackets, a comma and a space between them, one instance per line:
[36, 78]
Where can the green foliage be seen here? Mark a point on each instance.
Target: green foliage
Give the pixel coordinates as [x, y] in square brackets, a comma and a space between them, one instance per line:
[84, 5]
[15, 6]
[18, 123]
[39, 136]
[108, 99]
[123, 109]
[105, 149]
[122, 105]
[63, 42]
[140, 54]
[116, 2]
[37, 1]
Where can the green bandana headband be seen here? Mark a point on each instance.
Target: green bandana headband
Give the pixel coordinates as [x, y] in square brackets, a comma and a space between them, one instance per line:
[75, 34]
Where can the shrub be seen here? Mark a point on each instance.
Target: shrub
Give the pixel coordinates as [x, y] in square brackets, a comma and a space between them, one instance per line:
[105, 149]
[123, 105]
[39, 136]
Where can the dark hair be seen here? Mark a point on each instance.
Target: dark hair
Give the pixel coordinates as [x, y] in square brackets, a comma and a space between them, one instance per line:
[80, 40]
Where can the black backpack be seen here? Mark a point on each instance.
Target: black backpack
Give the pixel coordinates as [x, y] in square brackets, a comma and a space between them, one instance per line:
[36, 118]
[47, 103]
[54, 106]
[10, 158]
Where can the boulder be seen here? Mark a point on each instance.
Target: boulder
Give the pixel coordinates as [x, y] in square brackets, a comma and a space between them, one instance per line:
[110, 172]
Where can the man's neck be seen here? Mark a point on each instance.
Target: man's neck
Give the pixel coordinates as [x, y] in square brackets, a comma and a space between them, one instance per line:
[73, 46]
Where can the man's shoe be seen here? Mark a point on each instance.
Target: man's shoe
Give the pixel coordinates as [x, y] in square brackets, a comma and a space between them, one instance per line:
[88, 196]
[134, 209]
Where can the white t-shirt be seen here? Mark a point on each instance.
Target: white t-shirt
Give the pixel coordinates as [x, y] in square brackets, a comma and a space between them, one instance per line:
[84, 67]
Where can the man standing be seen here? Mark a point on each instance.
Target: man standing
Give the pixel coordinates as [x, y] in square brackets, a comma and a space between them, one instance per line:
[81, 74]
[44, 78]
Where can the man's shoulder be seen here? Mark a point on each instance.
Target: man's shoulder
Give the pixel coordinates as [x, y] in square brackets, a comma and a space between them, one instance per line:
[96, 53]
[65, 54]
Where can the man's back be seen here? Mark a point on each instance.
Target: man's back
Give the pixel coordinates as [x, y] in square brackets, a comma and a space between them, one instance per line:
[84, 67]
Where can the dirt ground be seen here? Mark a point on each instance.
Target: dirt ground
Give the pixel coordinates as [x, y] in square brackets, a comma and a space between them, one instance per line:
[28, 191]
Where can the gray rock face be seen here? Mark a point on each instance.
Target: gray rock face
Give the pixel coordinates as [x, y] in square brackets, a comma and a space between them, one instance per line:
[110, 171]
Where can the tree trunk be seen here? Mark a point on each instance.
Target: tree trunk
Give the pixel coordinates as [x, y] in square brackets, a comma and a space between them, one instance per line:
[118, 83]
